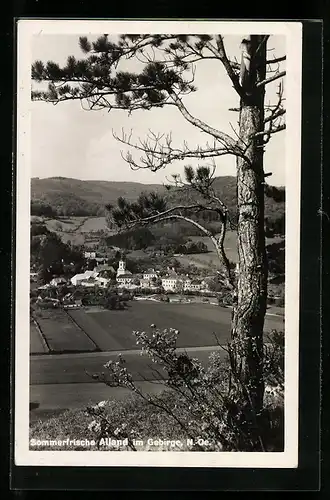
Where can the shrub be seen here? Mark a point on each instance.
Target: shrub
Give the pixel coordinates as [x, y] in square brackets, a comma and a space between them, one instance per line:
[273, 363]
[209, 403]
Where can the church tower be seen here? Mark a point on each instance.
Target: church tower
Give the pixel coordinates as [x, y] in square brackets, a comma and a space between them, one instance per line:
[121, 266]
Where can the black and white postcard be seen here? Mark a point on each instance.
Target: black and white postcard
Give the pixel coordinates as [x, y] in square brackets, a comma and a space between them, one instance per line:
[157, 243]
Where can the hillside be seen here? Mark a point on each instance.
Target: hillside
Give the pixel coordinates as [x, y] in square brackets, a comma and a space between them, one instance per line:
[77, 197]
[66, 196]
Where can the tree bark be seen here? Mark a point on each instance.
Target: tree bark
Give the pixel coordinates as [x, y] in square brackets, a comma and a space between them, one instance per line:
[250, 308]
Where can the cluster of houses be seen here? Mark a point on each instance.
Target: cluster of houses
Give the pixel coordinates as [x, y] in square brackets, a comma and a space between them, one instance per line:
[150, 279]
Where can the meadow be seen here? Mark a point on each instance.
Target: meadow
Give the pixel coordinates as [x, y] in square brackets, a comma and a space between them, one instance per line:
[211, 258]
[60, 333]
[73, 229]
[103, 330]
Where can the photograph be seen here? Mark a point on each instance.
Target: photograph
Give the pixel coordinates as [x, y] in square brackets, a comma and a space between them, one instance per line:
[157, 243]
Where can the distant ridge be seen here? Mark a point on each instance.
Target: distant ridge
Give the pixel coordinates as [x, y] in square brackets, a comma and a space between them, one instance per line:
[68, 196]
[95, 181]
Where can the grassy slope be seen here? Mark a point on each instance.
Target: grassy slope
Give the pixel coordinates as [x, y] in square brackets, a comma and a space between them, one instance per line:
[211, 258]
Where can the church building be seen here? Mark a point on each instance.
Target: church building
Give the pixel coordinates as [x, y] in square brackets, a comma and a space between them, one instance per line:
[124, 277]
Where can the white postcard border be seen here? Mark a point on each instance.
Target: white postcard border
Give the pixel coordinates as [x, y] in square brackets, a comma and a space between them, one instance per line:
[287, 459]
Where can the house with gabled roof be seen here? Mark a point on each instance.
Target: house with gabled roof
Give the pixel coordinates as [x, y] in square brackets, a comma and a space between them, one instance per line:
[105, 268]
[79, 278]
[149, 274]
[170, 281]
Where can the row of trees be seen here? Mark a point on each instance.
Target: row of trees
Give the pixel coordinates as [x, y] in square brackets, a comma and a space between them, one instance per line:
[64, 206]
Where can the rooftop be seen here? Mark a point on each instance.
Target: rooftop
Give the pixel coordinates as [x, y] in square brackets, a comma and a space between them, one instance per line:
[104, 267]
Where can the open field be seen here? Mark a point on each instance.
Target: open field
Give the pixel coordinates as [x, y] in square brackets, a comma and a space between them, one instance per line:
[63, 380]
[103, 330]
[61, 334]
[73, 229]
[195, 323]
[102, 335]
[211, 259]
[74, 366]
[37, 343]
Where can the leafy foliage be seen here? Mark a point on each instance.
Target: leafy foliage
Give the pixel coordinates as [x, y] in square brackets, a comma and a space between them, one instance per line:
[135, 239]
[41, 208]
[206, 404]
[276, 257]
[50, 255]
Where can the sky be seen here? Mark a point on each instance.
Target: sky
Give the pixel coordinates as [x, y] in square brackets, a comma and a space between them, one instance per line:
[71, 142]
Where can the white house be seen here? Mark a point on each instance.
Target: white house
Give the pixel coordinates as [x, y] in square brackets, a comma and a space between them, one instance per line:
[124, 279]
[103, 282]
[170, 282]
[193, 285]
[79, 278]
[149, 274]
[91, 274]
[89, 282]
[90, 255]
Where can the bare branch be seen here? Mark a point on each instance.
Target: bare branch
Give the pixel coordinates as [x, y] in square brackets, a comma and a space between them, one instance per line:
[225, 139]
[275, 115]
[276, 60]
[227, 64]
[273, 131]
[271, 79]
[159, 152]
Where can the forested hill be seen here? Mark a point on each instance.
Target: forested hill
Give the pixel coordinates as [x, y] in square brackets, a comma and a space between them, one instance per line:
[66, 196]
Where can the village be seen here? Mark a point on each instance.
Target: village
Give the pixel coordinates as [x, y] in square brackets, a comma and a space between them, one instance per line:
[151, 283]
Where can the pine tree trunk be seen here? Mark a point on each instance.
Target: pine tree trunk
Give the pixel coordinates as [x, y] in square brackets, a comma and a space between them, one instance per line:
[249, 311]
